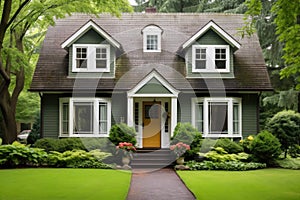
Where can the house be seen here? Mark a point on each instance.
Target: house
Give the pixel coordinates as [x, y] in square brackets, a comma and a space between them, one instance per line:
[151, 71]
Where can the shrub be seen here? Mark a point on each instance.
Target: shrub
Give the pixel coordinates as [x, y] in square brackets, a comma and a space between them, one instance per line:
[34, 135]
[20, 155]
[229, 166]
[294, 151]
[265, 147]
[285, 126]
[60, 145]
[229, 146]
[246, 143]
[186, 133]
[122, 133]
[289, 163]
[218, 154]
[78, 159]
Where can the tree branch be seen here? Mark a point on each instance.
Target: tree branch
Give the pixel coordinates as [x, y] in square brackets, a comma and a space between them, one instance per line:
[17, 12]
[4, 19]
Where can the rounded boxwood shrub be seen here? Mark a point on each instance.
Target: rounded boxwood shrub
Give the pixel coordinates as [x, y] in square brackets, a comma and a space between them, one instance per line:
[186, 133]
[285, 126]
[122, 133]
[265, 147]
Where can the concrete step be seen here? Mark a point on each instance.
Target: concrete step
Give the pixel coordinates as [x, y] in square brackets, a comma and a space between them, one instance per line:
[152, 158]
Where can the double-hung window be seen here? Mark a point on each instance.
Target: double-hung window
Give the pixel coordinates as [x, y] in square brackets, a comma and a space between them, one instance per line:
[84, 117]
[91, 58]
[152, 39]
[210, 58]
[217, 117]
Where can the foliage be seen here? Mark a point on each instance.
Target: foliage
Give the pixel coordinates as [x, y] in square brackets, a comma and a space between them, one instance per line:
[229, 145]
[289, 163]
[186, 133]
[0, 141]
[22, 29]
[179, 149]
[78, 159]
[122, 133]
[34, 135]
[20, 155]
[285, 15]
[285, 126]
[228, 166]
[265, 147]
[28, 106]
[287, 99]
[294, 151]
[218, 154]
[59, 145]
[246, 143]
[229, 6]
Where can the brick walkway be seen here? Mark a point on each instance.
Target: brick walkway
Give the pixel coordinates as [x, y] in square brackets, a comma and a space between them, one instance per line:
[163, 184]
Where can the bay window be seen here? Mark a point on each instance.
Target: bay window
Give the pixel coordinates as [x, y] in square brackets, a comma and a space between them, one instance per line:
[217, 117]
[84, 117]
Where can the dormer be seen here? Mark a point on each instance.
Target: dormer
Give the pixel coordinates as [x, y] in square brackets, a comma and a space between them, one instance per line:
[91, 50]
[152, 38]
[209, 53]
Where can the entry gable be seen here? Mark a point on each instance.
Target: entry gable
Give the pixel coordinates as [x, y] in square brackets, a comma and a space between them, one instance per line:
[218, 30]
[84, 29]
[153, 85]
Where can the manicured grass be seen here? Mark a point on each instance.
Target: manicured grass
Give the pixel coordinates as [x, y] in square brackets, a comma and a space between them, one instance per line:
[50, 184]
[266, 184]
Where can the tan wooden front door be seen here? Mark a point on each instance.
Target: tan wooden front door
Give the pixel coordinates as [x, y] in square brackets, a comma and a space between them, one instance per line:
[151, 124]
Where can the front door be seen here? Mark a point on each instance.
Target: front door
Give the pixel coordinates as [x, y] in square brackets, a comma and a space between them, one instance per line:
[151, 124]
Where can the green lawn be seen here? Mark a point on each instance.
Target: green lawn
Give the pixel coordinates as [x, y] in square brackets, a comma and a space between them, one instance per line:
[267, 184]
[56, 184]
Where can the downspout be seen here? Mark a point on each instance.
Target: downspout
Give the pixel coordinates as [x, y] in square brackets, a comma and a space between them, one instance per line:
[41, 116]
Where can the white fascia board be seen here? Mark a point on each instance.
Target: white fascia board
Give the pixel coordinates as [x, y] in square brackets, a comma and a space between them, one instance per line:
[218, 30]
[84, 29]
[153, 74]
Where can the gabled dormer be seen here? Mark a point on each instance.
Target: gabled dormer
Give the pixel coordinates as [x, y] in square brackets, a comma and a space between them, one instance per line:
[91, 50]
[209, 53]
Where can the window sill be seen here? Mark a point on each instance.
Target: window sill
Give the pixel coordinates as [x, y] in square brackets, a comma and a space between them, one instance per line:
[83, 135]
[222, 136]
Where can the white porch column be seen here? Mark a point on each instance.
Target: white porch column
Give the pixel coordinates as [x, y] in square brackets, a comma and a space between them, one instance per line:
[174, 114]
[129, 111]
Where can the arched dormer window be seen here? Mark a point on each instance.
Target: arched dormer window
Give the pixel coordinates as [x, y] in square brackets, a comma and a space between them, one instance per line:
[152, 38]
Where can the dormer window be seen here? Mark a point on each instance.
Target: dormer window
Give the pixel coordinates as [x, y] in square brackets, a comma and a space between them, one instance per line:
[152, 39]
[91, 58]
[210, 58]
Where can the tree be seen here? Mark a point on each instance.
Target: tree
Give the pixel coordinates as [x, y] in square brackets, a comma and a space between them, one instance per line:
[286, 16]
[285, 126]
[18, 21]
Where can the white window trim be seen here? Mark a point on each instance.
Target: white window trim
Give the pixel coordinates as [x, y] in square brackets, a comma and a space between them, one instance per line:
[210, 58]
[152, 30]
[95, 102]
[91, 58]
[230, 102]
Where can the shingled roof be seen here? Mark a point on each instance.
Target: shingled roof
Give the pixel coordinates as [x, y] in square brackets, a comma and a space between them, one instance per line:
[51, 73]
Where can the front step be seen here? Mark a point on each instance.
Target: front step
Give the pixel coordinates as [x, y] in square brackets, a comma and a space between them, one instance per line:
[152, 158]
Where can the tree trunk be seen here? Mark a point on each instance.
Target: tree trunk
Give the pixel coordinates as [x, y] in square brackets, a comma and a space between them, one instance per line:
[8, 123]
